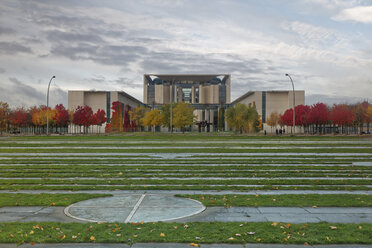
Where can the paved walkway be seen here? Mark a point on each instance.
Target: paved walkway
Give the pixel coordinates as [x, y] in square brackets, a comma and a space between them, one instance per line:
[195, 192]
[150, 208]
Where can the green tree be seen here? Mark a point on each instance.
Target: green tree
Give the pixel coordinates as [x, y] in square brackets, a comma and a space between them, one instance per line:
[242, 118]
[165, 115]
[152, 119]
[183, 115]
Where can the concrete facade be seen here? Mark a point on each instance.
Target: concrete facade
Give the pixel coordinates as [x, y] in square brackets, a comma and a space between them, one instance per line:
[206, 92]
[101, 100]
[209, 94]
[268, 102]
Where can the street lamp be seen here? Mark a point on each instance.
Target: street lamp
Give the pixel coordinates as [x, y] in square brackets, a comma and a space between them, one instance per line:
[47, 132]
[294, 105]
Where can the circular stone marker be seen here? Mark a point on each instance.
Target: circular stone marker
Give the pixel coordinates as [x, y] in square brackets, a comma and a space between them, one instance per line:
[134, 208]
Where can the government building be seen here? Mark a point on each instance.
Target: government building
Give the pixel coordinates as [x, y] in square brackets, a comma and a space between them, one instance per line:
[209, 94]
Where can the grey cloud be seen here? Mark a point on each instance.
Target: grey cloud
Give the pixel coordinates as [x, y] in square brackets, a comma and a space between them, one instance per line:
[330, 100]
[2, 70]
[59, 36]
[24, 91]
[5, 30]
[18, 93]
[102, 54]
[13, 48]
[126, 82]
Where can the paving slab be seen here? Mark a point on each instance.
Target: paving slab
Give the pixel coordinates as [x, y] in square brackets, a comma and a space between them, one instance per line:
[134, 208]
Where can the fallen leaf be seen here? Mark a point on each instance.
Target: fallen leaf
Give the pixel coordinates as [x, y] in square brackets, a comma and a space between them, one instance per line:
[333, 227]
[274, 223]
[92, 238]
[231, 238]
[238, 235]
[118, 235]
[250, 233]
[314, 206]
[258, 239]
[74, 237]
[194, 245]
[162, 235]
[31, 232]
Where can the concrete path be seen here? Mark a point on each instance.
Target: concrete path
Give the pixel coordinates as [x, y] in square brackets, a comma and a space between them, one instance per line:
[175, 245]
[150, 208]
[195, 192]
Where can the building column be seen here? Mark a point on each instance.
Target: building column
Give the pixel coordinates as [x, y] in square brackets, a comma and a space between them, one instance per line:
[193, 94]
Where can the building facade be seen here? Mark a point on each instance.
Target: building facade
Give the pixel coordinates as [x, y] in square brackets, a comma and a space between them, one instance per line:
[103, 100]
[268, 102]
[209, 94]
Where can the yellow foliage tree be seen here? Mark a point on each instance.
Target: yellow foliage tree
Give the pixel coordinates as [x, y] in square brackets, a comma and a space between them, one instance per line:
[273, 120]
[183, 115]
[152, 119]
[137, 115]
[4, 116]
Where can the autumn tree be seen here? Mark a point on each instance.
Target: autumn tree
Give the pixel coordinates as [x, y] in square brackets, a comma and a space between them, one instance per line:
[369, 116]
[342, 115]
[302, 112]
[137, 115]
[99, 118]
[4, 116]
[152, 119]
[83, 116]
[318, 115]
[61, 116]
[18, 118]
[165, 115]
[116, 122]
[242, 117]
[360, 115]
[183, 115]
[273, 120]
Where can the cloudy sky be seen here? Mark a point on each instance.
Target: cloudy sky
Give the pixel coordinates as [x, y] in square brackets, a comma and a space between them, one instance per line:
[325, 45]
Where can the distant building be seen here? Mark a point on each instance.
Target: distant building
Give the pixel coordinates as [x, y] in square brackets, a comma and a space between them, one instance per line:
[207, 93]
[268, 102]
[103, 100]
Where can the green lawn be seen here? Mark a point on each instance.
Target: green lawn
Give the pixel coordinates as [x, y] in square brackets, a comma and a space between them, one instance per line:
[214, 232]
[18, 199]
[311, 200]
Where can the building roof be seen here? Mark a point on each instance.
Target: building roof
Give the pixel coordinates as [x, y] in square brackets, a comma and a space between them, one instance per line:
[187, 77]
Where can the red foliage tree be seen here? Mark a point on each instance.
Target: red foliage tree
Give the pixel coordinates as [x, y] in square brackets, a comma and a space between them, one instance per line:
[83, 116]
[99, 118]
[18, 118]
[287, 117]
[342, 115]
[318, 115]
[61, 117]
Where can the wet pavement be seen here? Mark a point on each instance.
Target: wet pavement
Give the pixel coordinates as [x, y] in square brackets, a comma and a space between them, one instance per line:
[150, 208]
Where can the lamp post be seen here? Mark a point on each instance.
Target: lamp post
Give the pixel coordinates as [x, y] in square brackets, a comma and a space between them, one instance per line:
[47, 131]
[294, 105]
[171, 107]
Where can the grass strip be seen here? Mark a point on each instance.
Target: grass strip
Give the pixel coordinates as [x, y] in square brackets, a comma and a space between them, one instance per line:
[292, 200]
[10, 199]
[214, 232]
